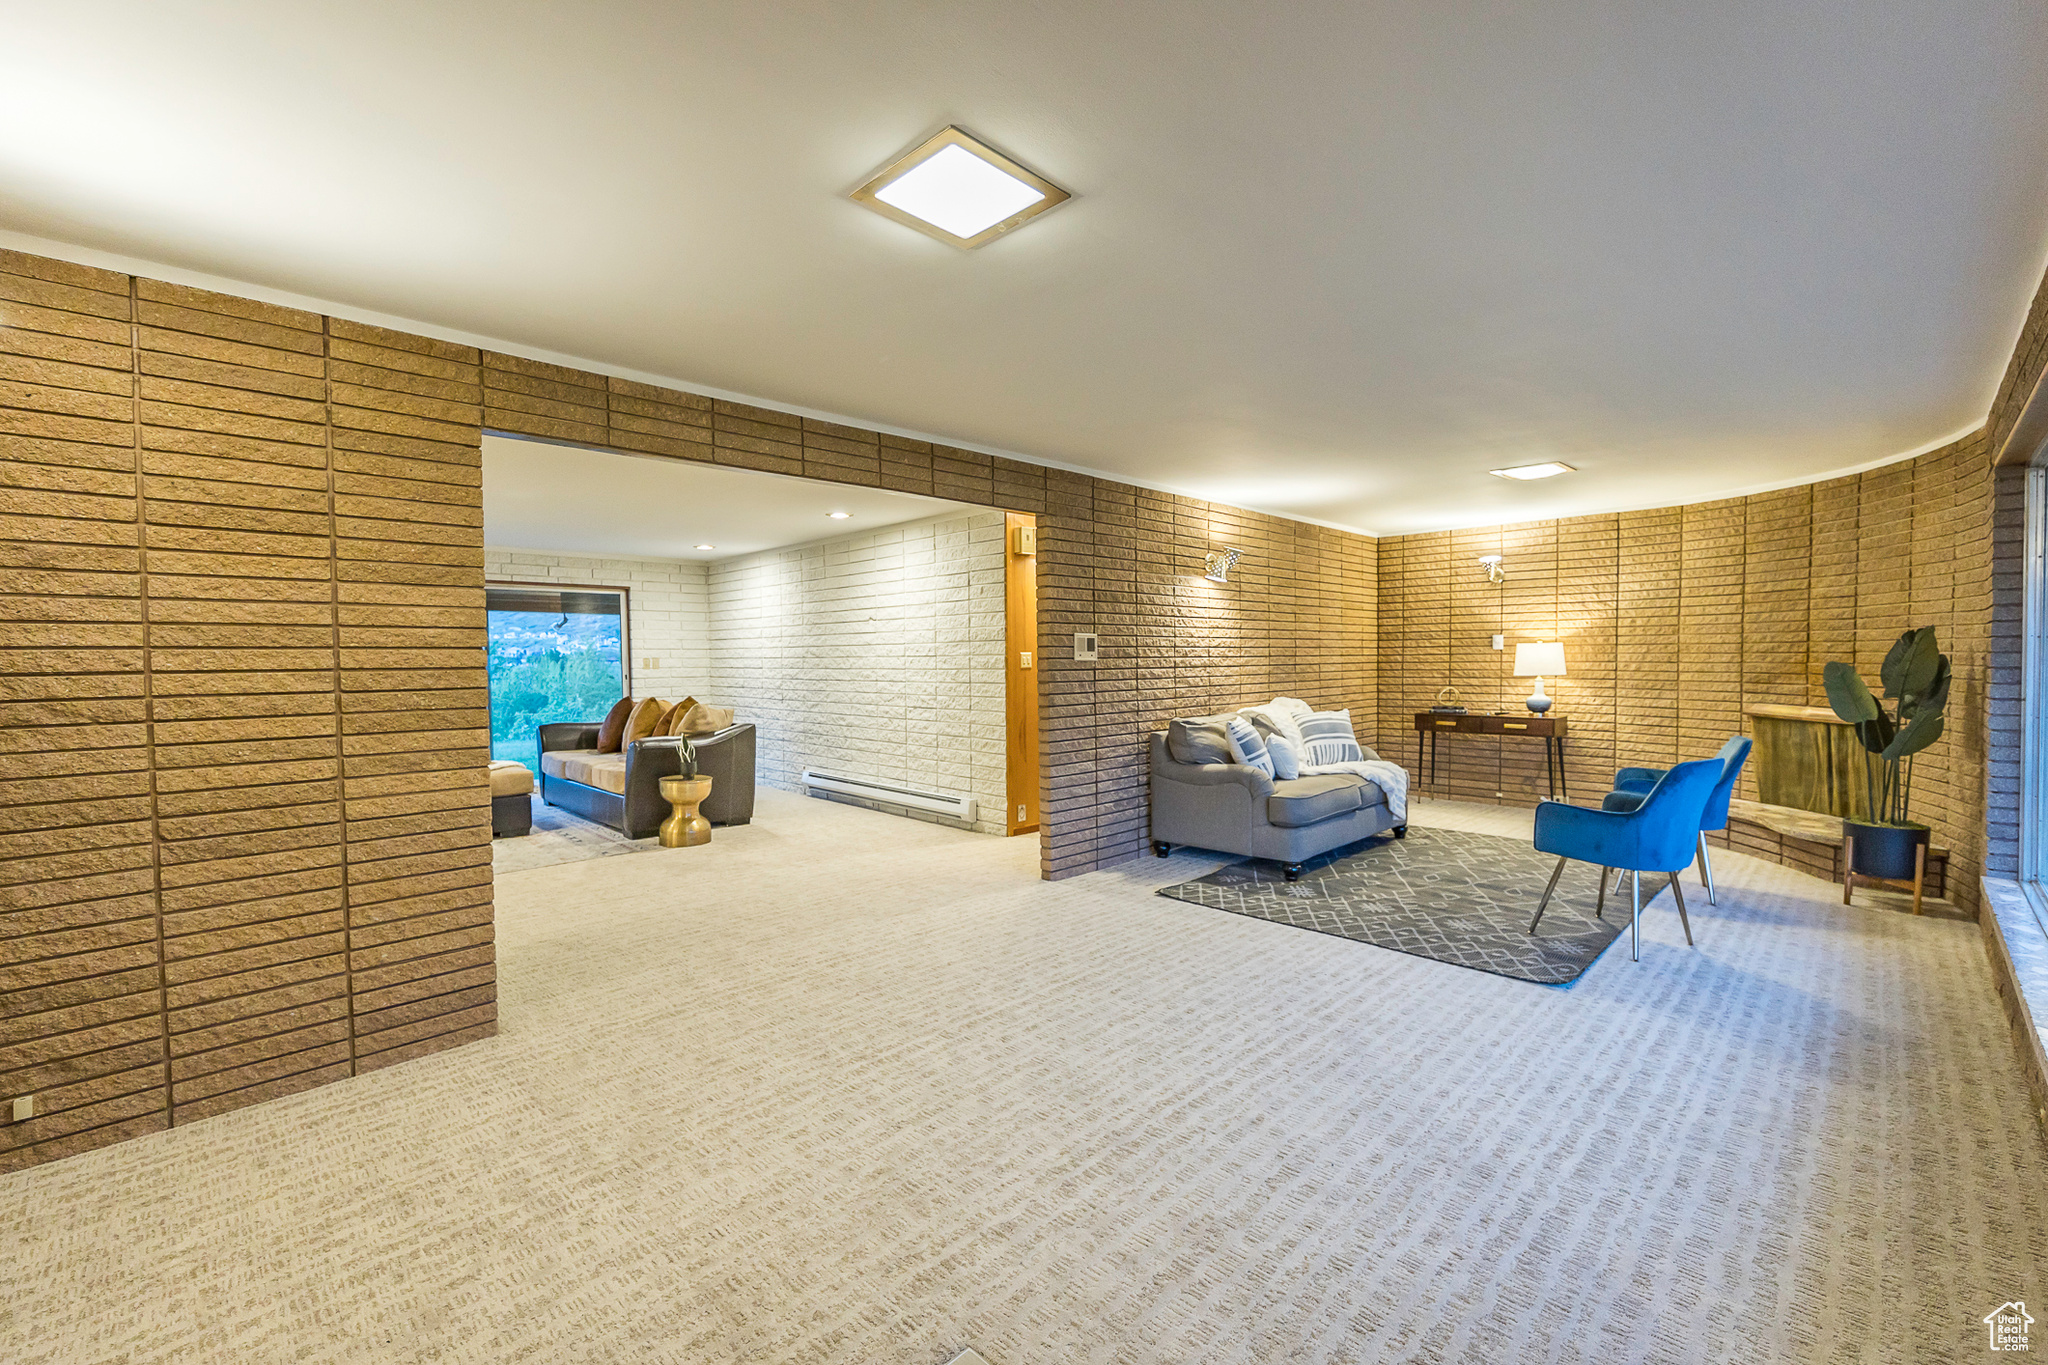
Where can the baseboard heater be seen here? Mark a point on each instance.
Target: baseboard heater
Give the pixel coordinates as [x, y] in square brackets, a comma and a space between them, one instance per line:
[952, 806]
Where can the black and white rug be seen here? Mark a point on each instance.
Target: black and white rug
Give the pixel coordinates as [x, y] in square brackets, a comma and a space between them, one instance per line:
[1466, 899]
[559, 837]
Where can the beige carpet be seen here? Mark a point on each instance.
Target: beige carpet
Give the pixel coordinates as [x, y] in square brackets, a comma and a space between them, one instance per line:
[845, 1087]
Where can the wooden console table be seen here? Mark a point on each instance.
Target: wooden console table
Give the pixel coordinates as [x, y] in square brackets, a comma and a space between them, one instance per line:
[1550, 729]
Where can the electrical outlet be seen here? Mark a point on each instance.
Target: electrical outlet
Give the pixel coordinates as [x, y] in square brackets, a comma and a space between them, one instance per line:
[1022, 818]
[24, 1108]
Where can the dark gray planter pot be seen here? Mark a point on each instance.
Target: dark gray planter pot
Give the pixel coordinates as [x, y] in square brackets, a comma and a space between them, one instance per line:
[1885, 850]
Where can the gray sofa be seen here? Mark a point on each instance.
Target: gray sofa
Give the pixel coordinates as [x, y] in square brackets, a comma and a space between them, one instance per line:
[623, 790]
[1231, 808]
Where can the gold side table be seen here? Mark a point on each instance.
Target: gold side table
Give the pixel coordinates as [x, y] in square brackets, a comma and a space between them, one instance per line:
[684, 828]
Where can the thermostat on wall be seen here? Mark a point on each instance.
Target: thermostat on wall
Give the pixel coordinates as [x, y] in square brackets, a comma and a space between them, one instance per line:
[1084, 648]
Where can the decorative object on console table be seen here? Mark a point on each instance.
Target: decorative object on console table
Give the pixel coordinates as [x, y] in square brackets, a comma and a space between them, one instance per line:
[1544, 659]
[684, 827]
[1891, 846]
[1550, 729]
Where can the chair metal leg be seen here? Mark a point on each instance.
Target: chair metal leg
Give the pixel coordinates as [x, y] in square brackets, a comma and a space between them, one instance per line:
[1635, 916]
[1600, 902]
[1544, 904]
[1620, 876]
[1707, 870]
[1678, 894]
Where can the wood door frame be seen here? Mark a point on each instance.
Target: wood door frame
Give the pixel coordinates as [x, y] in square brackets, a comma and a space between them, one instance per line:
[1020, 676]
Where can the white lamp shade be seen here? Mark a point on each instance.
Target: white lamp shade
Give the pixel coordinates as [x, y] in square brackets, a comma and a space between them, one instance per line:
[1544, 659]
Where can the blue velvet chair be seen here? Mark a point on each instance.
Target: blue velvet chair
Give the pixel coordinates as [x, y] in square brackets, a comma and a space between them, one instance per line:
[1657, 836]
[1631, 785]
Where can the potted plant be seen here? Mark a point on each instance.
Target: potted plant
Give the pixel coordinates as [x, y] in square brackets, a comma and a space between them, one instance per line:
[684, 826]
[1916, 674]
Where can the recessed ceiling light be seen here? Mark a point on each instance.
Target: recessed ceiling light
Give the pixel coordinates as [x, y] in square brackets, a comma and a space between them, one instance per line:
[1548, 470]
[839, 516]
[959, 190]
[707, 547]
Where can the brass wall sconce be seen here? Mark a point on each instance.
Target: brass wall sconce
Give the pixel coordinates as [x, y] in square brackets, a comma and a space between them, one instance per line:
[1494, 573]
[1216, 564]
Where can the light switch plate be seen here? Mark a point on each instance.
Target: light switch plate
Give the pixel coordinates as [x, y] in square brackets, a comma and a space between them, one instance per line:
[1084, 649]
[1500, 642]
[24, 1108]
[1023, 658]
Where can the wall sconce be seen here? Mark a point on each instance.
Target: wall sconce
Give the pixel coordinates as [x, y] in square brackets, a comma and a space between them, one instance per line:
[1216, 564]
[1494, 573]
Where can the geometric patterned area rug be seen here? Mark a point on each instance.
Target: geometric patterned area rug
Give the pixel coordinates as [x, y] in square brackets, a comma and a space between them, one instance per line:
[559, 837]
[1465, 899]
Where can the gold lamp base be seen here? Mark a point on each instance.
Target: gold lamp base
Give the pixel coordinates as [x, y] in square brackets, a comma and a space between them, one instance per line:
[685, 828]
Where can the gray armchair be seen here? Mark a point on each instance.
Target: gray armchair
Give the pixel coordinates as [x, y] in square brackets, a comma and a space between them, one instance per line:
[1232, 808]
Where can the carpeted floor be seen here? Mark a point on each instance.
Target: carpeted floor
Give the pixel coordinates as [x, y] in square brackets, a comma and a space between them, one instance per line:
[843, 1087]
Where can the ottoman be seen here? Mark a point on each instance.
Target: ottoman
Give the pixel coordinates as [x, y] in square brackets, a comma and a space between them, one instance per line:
[511, 799]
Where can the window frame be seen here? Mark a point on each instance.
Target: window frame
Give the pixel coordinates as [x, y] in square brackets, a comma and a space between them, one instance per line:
[625, 631]
[2033, 822]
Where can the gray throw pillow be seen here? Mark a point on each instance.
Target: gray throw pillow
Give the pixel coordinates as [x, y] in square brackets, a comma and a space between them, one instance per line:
[1198, 739]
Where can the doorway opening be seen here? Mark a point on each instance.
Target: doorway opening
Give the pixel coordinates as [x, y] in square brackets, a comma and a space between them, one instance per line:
[878, 645]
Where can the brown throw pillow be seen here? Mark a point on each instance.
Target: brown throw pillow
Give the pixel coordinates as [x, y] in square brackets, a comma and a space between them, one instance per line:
[704, 720]
[614, 725]
[640, 720]
[672, 722]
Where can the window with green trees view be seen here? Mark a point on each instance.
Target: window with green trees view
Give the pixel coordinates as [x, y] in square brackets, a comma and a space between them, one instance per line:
[554, 655]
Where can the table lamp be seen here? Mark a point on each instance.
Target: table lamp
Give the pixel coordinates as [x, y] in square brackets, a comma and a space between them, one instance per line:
[1545, 659]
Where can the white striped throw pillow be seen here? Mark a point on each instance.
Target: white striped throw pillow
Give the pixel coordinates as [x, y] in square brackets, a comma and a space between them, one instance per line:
[1246, 746]
[1330, 738]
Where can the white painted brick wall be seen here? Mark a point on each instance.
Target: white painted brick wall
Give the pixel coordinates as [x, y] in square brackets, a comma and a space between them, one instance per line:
[666, 608]
[880, 654]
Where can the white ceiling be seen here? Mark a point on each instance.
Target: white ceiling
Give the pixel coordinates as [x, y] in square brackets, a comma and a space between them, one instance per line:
[539, 496]
[1329, 258]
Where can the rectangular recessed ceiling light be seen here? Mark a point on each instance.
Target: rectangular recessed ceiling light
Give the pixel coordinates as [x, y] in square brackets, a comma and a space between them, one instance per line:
[959, 190]
[1549, 470]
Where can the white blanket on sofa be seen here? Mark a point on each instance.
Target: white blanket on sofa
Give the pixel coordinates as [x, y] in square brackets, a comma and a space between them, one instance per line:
[1390, 778]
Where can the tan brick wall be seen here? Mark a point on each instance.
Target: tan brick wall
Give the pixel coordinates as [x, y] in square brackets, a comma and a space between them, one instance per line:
[1674, 620]
[245, 831]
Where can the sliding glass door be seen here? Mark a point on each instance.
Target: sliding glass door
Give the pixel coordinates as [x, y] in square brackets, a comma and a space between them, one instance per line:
[556, 654]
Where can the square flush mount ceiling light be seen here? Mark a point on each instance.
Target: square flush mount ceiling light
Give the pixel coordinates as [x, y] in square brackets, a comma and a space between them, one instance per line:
[1549, 470]
[959, 190]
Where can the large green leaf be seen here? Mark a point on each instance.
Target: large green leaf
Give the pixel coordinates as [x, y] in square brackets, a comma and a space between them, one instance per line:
[1936, 696]
[1923, 664]
[1876, 733]
[1848, 694]
[1892, 672]
[1910, 665]
[1913, 738]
